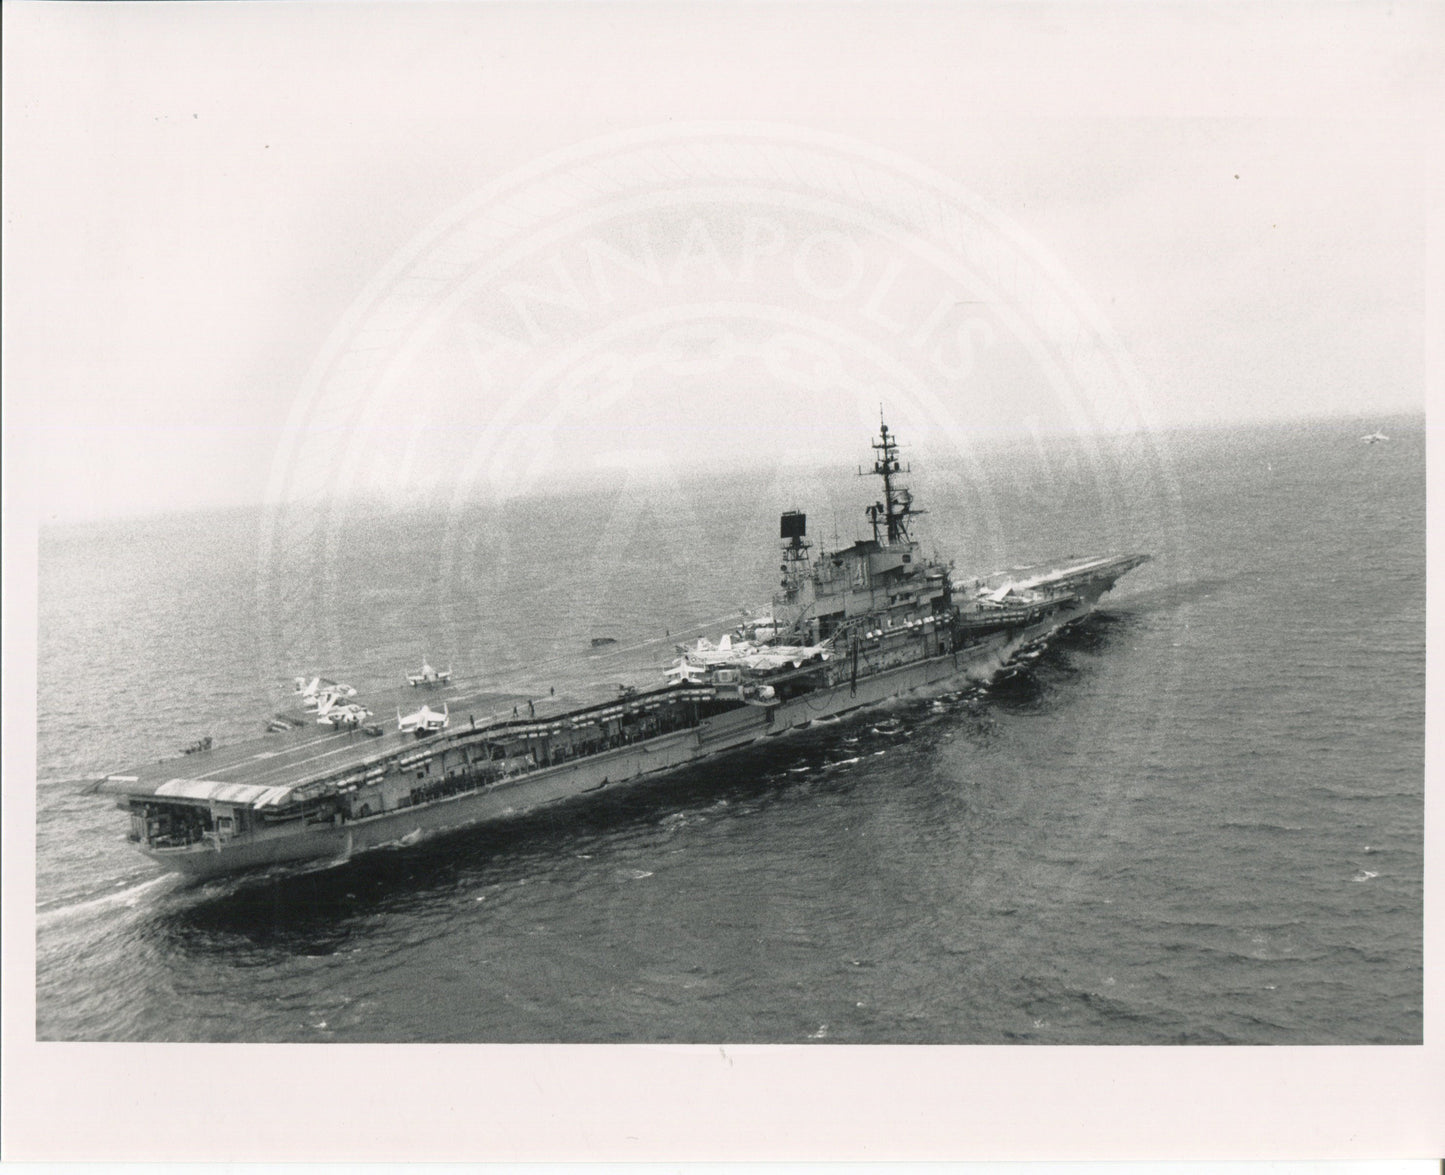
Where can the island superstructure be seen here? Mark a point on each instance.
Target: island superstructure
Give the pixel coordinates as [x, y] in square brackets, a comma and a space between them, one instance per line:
[847, 629]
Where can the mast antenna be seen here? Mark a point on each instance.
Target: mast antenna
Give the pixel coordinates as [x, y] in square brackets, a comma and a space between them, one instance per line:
[890, 516]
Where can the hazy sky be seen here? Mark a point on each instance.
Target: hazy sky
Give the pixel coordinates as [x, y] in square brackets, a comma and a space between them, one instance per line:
[197, 196]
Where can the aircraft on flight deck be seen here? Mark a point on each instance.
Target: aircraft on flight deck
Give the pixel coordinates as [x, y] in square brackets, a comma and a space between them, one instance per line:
[686, 671]
[780, 656]
[349, 714]
[707, 653]
[725, 652]
[423, 721]
[317, 688]
[430, 676]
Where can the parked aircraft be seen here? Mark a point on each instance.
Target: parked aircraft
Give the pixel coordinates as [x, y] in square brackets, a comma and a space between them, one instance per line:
[311, 692]
[423, 721]
[349, 714]
[429, 676]
[685, 671]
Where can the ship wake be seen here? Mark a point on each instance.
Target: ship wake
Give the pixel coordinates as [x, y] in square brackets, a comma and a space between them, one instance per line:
[132, 896]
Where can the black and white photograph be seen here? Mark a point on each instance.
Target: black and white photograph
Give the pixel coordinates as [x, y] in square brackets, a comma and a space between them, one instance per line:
[747, 530]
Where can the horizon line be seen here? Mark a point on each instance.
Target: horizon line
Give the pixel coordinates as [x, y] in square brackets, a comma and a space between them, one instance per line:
[596, 477]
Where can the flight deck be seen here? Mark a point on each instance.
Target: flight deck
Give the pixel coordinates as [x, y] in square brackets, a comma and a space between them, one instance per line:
[299, 748]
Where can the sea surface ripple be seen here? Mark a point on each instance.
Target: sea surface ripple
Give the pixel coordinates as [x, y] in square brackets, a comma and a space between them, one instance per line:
[1195, 818]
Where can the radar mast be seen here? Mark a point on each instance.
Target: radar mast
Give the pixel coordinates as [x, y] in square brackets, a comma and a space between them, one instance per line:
[793, 530]
[890, 516]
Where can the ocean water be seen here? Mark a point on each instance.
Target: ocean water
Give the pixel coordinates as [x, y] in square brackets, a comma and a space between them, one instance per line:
[1194, 818]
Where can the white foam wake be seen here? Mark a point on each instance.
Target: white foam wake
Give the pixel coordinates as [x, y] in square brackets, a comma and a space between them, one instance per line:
[132, 896]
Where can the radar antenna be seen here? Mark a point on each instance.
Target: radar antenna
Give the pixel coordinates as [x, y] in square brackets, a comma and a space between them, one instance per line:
[890, 516]
[793, 530]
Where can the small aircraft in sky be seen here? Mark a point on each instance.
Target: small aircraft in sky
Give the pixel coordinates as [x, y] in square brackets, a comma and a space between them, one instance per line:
[429, 676]
[423, 721]
[1374, 438]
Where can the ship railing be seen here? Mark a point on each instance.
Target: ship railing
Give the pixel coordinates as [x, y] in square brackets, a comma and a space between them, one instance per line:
[1003, 615]
[514, 768]
[174, 841]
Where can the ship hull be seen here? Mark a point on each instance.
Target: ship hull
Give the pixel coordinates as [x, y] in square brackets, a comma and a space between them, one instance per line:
[517, 796]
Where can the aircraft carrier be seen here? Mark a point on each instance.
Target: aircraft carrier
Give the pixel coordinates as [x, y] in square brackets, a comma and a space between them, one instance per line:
[847, 629]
